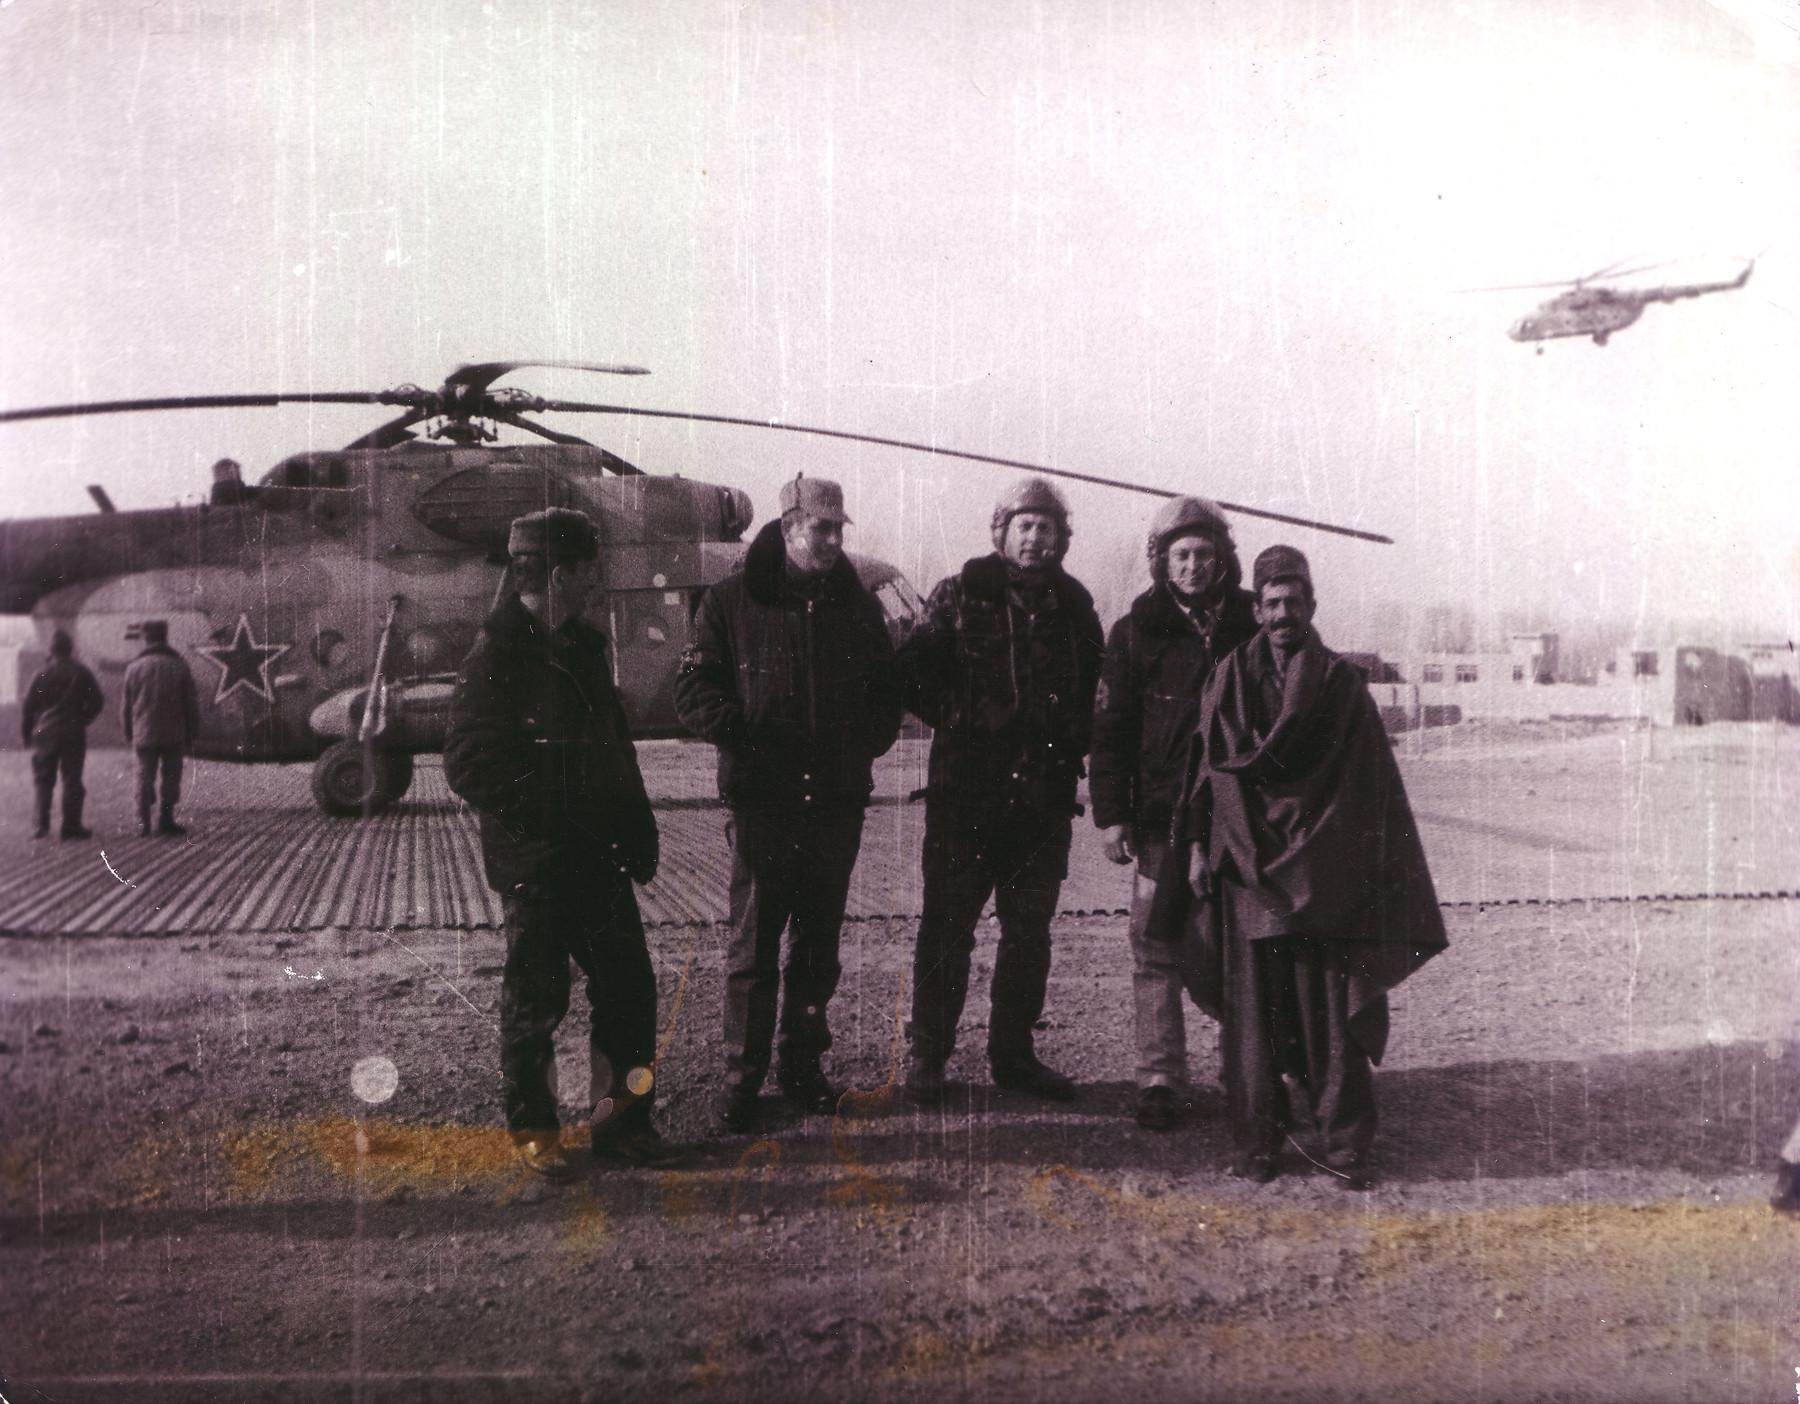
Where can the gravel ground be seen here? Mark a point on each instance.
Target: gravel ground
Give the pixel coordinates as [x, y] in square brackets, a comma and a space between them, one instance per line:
[1581, 1106]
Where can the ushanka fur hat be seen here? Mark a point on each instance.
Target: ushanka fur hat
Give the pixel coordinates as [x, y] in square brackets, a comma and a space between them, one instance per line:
[559, 533]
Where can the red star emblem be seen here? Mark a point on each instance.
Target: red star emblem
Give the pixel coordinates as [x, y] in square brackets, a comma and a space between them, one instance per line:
[243, 662]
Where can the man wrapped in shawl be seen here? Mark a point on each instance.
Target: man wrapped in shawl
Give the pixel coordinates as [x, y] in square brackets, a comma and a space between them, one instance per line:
[1313, 895]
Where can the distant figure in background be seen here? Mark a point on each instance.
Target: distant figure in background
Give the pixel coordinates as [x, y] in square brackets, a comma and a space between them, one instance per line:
[60, 704]
[1787, 1176]
[1315, 899]
[161, 719]
[1158, 658]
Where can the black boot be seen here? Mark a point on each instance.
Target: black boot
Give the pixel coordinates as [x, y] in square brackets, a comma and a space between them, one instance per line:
[1787, 1188]
[71, 825]
[807, 1088]
[1024, 1073]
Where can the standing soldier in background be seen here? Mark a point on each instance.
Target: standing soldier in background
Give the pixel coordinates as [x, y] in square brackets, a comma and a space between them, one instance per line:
[161, 719]
[538, 744]
[1158, 658]
[60, 704]
[791, 676]
[1003, 665]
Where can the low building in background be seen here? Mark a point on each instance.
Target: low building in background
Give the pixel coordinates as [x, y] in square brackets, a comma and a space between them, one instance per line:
[1671, 685]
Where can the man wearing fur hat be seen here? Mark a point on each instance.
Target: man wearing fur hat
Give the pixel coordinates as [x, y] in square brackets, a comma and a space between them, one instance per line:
[1315, 898]
[1158, 658]
[60, 704]
[1003, 667]
[539, 745]
[791, 675]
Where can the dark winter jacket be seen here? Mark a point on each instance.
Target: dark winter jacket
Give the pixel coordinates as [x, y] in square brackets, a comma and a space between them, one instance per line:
[161, 708]
[539, 745]
[1003, 665]
[1158, 658]
[61, 702]
[792, 678]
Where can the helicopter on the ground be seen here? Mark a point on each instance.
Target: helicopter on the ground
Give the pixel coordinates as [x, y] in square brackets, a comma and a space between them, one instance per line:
[327, 607]
[1598, 310]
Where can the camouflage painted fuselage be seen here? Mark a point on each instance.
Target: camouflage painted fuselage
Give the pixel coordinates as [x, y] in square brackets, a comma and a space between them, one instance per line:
[278, 599]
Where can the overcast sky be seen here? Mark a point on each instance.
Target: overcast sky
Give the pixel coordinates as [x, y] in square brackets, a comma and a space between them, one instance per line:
[1207, 247]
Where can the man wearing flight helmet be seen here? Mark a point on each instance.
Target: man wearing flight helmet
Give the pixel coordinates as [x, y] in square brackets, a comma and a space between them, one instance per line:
[1003, 667]
[1158, 658]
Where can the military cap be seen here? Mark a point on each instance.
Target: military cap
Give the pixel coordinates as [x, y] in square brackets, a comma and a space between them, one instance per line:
[156, 631]
[61, 645]
[817, 497]
[1280, 563]
[557, 532]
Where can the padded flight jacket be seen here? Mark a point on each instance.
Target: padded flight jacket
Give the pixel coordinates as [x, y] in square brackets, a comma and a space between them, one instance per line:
[538, 744]
[792, 679]
[1003, 667]
[1157, 661]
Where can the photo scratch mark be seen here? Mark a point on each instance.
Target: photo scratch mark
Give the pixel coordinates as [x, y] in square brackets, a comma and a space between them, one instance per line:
[438, 974]
[114, 871]
[289, 970]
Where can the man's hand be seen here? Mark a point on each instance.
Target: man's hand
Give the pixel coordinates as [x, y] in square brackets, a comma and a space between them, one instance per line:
[1199, 879]
[1115, 843]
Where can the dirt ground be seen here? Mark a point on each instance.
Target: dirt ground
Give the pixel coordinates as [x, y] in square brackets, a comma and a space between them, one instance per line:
[1581, 1108]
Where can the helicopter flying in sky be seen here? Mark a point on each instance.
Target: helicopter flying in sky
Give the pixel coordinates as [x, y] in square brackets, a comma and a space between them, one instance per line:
[326, 607]
[1595, 309]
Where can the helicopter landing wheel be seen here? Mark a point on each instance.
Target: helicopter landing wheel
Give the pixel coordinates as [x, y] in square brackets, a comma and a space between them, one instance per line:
[351, 780]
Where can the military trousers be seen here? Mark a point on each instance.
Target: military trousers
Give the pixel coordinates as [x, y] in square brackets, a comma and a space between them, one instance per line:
[592, 920]
[1287, 1014]
[1156, 983]
[1019, 857]
[51, 760]
[168, 761]
[790, 871]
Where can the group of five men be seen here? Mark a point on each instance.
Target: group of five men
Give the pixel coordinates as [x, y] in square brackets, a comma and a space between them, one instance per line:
[1234, 759]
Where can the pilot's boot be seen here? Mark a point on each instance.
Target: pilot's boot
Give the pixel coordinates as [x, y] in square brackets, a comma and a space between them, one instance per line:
[71, 825]
[43, 811]
[167, 825]
[144, 820]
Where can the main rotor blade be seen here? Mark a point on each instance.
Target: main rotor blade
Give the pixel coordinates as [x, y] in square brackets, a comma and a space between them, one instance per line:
[1519, 287]
[485, 373]
[1612, 270]
[390, 435]
[194, 402]
[579, 408]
